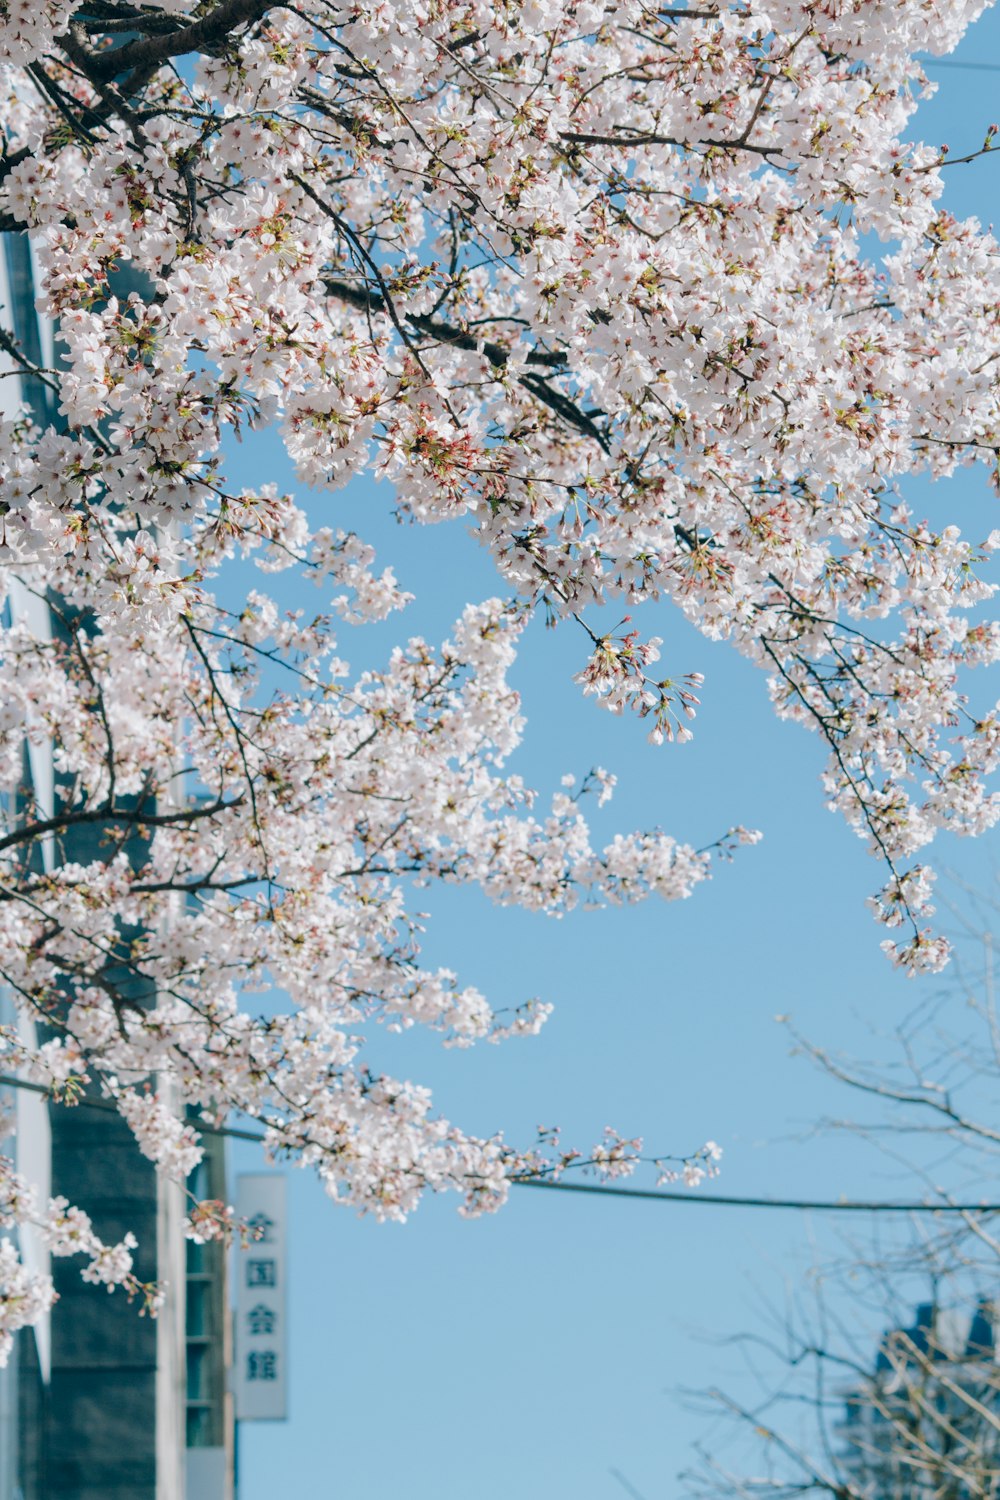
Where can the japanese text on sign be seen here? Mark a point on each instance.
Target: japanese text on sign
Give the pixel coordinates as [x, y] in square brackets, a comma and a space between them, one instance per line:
[261, 1279]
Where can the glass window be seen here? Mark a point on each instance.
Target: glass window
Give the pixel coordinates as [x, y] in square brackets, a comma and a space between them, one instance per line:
[197, 1372]
[199, 1427]
[199, 1307]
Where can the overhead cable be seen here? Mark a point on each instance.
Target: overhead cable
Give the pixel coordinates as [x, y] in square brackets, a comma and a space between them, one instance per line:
[689, 1198]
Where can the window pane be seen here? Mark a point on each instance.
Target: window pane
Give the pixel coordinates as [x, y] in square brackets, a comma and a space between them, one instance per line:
[199, 1304]
[197, 1372]
[199, 1427]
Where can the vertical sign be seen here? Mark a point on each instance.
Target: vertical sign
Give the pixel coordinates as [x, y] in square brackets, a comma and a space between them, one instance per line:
[261, 1375]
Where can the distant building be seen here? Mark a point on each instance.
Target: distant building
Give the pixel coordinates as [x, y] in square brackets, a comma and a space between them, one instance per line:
[98, 1403]
[926, 1424]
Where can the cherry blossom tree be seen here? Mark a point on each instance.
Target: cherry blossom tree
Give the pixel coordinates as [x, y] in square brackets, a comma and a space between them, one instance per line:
[594, 280]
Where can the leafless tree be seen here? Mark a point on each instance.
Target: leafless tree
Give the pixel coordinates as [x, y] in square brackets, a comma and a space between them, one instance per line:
[883, 1380]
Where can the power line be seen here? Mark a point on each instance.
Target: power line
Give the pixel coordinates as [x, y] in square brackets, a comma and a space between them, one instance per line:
[6, 1079]
[596, 1190]
[950, 62]
[720, 1200]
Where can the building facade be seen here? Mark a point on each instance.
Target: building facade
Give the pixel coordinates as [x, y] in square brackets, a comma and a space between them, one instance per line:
[98, 1403]
[926, 1424]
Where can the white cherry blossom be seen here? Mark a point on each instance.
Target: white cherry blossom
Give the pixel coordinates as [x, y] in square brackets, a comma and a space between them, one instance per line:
[594, 281]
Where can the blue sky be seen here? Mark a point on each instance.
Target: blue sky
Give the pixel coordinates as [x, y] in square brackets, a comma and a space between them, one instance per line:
[530, 1353]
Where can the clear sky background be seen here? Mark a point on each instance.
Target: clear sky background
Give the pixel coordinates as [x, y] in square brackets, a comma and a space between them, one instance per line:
[531, 1353]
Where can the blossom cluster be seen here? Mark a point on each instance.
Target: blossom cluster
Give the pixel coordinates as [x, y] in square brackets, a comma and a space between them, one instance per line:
[26, 1295]
[593, 281]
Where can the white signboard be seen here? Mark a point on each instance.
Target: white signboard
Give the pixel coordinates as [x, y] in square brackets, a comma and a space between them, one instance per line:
[261, 1373]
